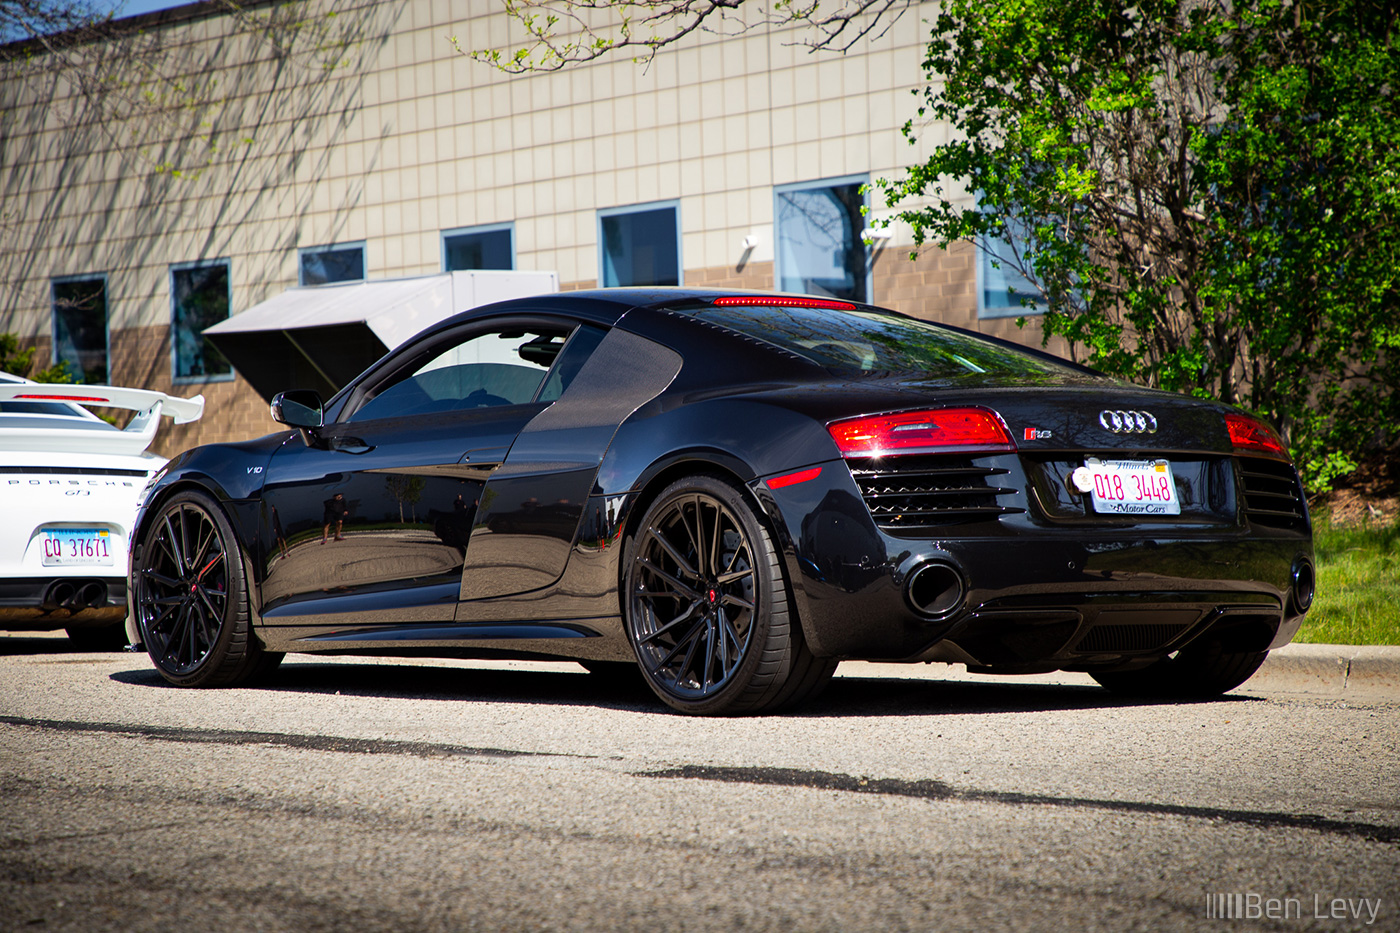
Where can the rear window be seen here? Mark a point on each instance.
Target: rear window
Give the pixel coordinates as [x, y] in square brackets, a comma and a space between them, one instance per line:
[860, 341]
[53, 409]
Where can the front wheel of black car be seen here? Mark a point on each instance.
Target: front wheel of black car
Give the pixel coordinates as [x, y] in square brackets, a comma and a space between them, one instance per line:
[191, 597]
[1198, 670]
[708, 612]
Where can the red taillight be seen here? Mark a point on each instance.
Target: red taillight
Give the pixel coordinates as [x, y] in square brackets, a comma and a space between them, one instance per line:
[63, 398]
[1254, 436]
[934, 431]
[790, 479]
[781, 301]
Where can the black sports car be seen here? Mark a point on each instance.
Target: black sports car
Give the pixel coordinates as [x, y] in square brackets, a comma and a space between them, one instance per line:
[733, 491]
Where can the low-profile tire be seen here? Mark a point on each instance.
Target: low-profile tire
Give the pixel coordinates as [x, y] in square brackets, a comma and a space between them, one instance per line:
[98, 637]
[1196, 671]
[707, 610]
[192, 597]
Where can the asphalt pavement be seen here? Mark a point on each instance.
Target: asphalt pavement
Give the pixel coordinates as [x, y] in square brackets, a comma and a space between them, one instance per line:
[369, 794]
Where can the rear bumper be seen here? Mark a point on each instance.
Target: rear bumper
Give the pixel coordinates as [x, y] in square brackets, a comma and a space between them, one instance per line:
[1014, 594]
[39, 604]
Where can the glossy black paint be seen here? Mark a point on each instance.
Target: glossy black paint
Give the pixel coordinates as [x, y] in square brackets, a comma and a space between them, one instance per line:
[502, 531]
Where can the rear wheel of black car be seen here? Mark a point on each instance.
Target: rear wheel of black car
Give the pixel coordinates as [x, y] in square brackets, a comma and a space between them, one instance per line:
[1198, 670]
[708, 613]
[191, 597]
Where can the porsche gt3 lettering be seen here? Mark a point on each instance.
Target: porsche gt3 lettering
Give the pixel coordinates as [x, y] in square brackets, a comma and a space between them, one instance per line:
[91, 482]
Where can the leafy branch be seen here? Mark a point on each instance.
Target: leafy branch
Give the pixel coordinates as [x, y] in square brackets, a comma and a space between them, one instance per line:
[559, 33]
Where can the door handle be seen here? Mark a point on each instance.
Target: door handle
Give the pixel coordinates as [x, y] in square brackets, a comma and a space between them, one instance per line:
[482, 456]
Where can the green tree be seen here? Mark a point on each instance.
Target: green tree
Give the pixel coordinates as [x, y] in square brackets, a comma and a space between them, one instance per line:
[1206, 194]
[13, 359]
[17, 362]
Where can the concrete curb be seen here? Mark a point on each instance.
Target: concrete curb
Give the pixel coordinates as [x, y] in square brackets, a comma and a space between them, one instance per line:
[1331, 670]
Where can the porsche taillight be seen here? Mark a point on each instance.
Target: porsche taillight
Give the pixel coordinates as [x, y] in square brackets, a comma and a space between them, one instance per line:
[1252, 436]
[940, 430]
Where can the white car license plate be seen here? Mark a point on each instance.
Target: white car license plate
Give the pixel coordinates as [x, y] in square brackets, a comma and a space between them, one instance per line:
[1129, 487]
[69, 546]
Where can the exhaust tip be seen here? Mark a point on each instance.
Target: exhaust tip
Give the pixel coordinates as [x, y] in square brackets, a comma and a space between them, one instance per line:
[57, 596]
[1304, 584]
[935, 590]
[92, 594]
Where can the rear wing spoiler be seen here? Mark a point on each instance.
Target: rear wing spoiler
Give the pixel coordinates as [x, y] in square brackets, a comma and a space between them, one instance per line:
[134, 438]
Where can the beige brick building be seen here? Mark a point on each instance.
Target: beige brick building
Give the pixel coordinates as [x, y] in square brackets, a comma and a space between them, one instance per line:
[308, 148]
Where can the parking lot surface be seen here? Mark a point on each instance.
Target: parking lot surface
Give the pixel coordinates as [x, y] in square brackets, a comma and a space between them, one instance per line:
[371, 794]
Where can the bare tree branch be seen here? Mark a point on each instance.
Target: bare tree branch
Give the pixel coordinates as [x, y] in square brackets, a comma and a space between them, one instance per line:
[559, 33]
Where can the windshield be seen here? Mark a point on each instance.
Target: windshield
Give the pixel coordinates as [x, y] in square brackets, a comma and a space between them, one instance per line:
[876, 342]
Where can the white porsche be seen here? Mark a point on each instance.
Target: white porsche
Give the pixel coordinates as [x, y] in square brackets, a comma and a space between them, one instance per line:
[69, 487]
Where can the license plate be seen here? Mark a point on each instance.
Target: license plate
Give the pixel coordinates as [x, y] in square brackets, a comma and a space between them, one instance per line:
[69, 546]
[1129, 487]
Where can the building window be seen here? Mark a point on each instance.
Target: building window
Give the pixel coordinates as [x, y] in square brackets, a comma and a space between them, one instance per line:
[322, 265]
[640, 245]
[819, 246]
[199, 298]
[80, 327]
[490, 247]
[1000, 285]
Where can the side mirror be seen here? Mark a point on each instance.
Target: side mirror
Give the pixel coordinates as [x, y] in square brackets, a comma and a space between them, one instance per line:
[300, 409]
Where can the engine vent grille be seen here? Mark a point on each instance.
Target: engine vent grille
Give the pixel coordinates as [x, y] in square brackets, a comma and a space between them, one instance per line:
[1115, 638]
[916, 491]
[71, 471]
[1272, 495]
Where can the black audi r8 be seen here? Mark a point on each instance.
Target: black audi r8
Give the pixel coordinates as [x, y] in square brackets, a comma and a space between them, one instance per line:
[732, 491]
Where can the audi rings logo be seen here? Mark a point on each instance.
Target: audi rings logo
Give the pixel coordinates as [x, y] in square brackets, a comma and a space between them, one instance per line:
[1128, 422]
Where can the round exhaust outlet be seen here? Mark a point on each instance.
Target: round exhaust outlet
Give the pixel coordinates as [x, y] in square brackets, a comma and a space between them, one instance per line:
[935, 590]
[1304, 584]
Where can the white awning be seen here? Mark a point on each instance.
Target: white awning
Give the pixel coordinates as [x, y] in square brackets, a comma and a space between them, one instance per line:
[320, 337]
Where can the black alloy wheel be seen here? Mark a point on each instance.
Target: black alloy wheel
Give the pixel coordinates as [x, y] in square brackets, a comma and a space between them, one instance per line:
[191, 599]
[708, 612]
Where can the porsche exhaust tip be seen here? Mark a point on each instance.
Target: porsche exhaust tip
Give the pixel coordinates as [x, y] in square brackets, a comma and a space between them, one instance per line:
[91, 594]
[935, 590]
[57, 597]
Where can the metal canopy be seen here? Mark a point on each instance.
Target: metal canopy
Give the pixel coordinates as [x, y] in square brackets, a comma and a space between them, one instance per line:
[321, 337]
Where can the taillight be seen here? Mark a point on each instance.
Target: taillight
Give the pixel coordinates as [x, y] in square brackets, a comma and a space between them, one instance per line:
[792, 479]
[937, 431]
[85, 399]
[781, 301]
[1251, 435]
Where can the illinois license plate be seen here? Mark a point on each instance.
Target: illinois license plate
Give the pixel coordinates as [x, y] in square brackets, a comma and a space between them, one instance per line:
[1129, 487]
[68, 546]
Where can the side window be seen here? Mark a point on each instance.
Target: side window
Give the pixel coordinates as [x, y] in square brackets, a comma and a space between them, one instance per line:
[324, 265]
[502, 367]
[571, 359]
[819, 249]
[1001, 285]
[80, 327]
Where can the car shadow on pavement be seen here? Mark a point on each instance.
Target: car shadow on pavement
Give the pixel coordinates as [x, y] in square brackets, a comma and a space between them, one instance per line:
[845, 697]
[18, 644]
